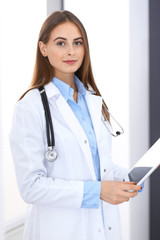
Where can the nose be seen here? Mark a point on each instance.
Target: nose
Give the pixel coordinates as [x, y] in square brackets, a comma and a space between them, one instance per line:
[70, 49]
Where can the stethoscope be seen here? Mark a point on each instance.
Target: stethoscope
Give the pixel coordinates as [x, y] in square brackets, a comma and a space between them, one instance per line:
[51, 155]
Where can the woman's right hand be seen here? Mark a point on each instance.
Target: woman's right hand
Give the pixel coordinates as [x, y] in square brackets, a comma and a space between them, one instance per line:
[116, 192]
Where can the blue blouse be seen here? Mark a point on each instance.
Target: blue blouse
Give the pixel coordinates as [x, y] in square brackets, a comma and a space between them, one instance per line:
[91, 194]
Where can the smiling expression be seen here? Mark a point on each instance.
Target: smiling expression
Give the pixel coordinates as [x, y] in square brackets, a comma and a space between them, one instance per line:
[65, 49]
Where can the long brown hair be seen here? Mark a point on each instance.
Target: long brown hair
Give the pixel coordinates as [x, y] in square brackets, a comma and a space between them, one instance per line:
[43, 70]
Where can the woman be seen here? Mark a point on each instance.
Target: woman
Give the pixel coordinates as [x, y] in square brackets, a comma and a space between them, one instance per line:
[76, 196]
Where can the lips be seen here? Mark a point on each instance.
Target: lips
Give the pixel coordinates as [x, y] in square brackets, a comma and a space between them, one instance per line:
[70, 61]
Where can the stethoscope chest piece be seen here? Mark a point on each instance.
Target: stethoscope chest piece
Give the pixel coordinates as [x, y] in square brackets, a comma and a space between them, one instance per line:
[51, 154]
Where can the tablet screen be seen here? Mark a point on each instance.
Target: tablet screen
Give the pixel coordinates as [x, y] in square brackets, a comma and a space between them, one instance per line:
[138, 173]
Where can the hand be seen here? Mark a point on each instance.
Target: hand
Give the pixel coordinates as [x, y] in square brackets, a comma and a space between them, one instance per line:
[116, 192]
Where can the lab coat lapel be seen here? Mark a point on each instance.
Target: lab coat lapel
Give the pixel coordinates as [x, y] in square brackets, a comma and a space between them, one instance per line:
[94, 103]
[77, 130]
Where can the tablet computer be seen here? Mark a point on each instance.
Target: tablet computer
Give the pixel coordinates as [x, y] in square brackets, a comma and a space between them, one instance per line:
[146, 165]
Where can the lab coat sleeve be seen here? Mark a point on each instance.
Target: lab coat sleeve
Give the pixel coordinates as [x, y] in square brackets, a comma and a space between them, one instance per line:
[91, 194]
[27, 147]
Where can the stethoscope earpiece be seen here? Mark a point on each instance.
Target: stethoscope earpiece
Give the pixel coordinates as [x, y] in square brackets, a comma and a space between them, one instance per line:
[118, 133]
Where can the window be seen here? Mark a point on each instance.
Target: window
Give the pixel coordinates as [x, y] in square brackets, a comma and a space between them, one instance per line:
[20, 22]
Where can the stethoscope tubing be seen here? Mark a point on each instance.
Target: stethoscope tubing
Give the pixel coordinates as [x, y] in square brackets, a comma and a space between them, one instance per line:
[49, 124]
[117, 133]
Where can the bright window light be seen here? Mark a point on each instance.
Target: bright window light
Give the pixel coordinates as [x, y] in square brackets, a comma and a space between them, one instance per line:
[20, 25]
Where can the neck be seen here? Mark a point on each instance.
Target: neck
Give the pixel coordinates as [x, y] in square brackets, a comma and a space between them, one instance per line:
[67, 78]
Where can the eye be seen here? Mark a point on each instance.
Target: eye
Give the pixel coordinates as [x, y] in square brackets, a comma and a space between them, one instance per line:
[60, 43]
[77, 43]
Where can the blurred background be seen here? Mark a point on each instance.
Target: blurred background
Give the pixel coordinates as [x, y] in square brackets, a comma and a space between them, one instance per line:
[124, 41]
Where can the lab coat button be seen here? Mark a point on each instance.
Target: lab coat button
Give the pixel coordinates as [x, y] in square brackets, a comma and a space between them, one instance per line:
[109, 228]
[85, 141]
[104, 170]
[99, 230]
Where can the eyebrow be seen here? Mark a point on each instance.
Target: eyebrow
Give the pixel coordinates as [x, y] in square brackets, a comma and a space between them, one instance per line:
[66, 38]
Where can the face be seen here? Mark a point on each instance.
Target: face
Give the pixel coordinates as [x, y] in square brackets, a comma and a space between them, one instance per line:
[65, 49]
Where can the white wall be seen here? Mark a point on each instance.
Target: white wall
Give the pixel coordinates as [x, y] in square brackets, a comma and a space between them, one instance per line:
[118, 37]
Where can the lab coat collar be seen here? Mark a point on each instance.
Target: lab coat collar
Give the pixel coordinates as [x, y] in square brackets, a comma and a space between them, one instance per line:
[51, 90]
[63, 87]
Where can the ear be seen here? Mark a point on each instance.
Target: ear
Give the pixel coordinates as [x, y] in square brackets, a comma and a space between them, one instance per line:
[43, 49]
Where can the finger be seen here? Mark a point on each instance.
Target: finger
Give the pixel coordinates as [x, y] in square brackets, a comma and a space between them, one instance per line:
[126, 194]
[123, 196]
[132, 194]
[126, 182]
[133, 187]
[129, 186]
[129, 194]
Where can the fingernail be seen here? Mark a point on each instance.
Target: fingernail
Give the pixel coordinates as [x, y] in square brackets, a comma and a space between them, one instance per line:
[141, 188]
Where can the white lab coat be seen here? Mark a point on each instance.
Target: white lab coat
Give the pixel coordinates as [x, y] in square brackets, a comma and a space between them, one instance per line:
[54, 191]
